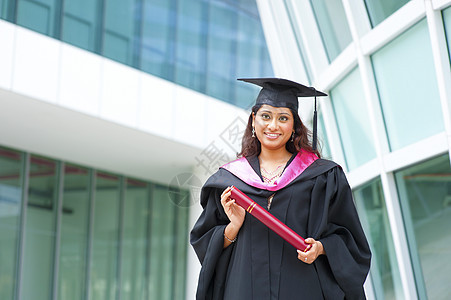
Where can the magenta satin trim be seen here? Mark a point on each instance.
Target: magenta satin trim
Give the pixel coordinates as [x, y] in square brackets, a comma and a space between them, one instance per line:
[243, 170]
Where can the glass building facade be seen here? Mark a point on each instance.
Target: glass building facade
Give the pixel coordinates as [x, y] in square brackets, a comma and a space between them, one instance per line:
[202, 45]
[72, 232]
[387, 121]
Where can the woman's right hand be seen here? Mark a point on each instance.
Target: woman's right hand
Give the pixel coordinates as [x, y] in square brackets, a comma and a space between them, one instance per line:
[234, 212]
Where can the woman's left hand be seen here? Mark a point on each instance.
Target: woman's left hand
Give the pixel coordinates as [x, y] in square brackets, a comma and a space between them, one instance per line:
[312, 254]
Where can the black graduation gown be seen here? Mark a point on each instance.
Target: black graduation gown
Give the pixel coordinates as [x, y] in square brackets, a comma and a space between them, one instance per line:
[260, 265]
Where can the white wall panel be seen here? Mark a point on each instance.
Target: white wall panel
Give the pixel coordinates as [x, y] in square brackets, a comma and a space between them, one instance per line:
[6, 53]
[156, 106]
[120, 93]
[80, 80]
[189, 117]
[36, 65]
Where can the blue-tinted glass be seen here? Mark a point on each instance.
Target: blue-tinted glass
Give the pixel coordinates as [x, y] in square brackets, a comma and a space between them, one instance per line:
[352, 117]
[162, 245]
[120, 29]
[331, 18]
[74, 233]
[7, 10]
[221, 58]
[447, 20]
[425, 195]
[11, 163]
[135, 241]
[373, 214]
[379, 10]
[103, 283]
[408, 89]
[80, 23]
[322, 138]
[251, 57]
[191, 39]
[40, 230]
[38, 15]
[158, 32]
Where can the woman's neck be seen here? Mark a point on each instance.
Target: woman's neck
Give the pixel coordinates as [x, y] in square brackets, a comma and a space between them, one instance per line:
[276, 157]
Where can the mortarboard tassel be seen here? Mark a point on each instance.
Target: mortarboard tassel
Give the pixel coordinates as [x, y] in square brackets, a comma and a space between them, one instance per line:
[314, 141]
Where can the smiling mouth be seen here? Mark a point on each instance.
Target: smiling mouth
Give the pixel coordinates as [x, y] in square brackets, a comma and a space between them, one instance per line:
[272, 135]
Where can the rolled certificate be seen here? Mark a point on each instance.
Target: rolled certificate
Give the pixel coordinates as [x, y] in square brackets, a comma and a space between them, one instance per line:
[269, 220]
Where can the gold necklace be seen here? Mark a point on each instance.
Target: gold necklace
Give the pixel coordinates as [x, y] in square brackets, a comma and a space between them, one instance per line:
[271, 177]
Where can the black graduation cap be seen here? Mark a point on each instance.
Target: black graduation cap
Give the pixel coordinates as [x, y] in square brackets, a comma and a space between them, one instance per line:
[279, 92]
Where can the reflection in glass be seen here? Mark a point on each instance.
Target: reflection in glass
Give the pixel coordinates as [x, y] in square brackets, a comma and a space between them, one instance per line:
[103, 281]
[408, 89]
[79, 24]
[162, 244]
[11, 164]
[135, 240]
[221, 42]
[353, 120]
[425, 194]
[381, 9]
[333, 26]
[120, 29]
[74, 233]
[40, 16]
[384, 270]
[40, 229]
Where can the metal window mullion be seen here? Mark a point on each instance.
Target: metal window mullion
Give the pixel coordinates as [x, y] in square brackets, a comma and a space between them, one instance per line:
[122, 183]
[23, 217]
[57, 241]
[148, 240]
[175, 245]
[92, 192]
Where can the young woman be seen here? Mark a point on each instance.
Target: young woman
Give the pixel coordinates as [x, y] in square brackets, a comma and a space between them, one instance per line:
[280, 170]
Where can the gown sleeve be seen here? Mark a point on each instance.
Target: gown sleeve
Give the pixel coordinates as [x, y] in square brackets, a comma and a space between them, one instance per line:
[348, 255]
[207, 239]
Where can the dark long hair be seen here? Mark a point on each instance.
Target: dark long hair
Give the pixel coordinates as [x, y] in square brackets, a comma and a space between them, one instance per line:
[251, 145]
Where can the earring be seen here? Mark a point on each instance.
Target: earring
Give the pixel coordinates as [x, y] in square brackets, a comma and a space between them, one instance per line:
[253, 132]
[292, 137]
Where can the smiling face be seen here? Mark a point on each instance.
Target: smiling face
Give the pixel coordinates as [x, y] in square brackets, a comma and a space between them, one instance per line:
[273, 126]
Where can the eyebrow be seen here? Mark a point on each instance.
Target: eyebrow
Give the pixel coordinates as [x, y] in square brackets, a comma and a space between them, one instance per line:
[282, 113]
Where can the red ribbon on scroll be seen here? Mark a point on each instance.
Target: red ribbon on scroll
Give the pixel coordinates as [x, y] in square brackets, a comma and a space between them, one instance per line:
[269, 220]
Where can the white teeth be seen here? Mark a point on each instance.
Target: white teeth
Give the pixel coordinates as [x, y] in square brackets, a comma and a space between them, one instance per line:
[272, 134]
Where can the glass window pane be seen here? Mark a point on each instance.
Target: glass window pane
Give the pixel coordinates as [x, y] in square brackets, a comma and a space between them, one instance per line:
[74, 233]
[425, 194]
[323, 141]
[190, 42]
[221, 51]
[11, 164]
[40, 230]
[157, 45]
[385, 275]
[135, 241]
[79, 23]
[333, 25]
[38, 15]
[408, 88]
[7, 10]
[447, 21]
[119, 31]
[379, 10]
[182, 201]
[105, 240]
[162, 245]
[352, 117]
[252, 59]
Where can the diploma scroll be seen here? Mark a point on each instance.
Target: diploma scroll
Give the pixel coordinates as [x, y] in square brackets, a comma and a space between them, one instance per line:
[269, 220]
